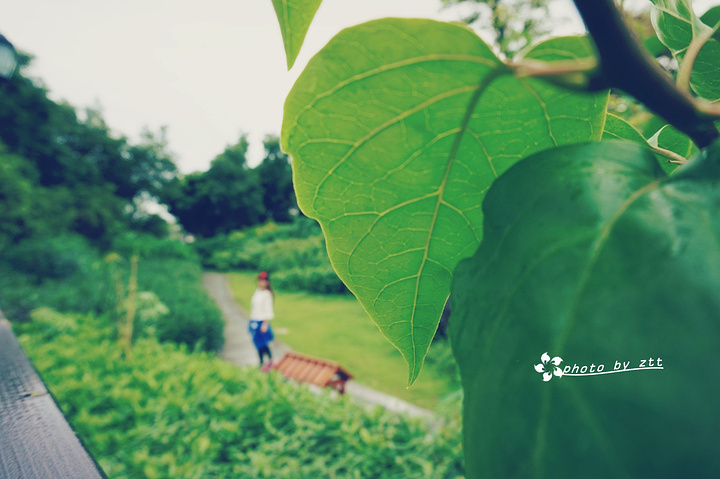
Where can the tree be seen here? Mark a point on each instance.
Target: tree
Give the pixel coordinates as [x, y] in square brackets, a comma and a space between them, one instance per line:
[230, 195]
[572, 245]
[514, 23]
[82, 176]
[227, 197]
[275, 177]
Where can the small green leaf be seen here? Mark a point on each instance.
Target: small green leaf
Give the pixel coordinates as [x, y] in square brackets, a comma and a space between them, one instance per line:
[669, 138]
[294, 17]
[705, 79]
[397, 128]
[677, 26]
[712, 18]
[666, 138]
[602, 260]
[655, 46]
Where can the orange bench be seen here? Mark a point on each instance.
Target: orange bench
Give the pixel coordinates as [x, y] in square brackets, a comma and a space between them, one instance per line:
[314, 371]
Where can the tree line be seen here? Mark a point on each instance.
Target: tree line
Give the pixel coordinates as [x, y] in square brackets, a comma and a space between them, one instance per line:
[65, 171]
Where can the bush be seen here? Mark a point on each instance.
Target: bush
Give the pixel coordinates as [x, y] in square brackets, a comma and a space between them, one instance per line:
[294, 254]
[168, 413]
[67, 275]
[63, 273]
[49, 257]
[320, 279]
[194, 319]
[148, 246]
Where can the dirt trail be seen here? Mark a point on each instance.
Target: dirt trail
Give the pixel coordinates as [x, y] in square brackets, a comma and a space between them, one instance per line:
[239, 349]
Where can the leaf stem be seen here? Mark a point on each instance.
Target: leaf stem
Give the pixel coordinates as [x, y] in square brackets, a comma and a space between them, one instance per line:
[573, 74]
[627, 66]
[688, 61]
[672, 157]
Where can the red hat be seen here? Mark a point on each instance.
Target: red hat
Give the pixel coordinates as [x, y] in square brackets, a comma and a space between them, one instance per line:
[263, 275]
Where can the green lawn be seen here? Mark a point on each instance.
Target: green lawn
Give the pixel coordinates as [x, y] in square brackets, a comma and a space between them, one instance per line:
[337, 328]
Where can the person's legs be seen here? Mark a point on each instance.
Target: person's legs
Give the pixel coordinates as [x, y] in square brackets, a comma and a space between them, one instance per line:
[262, 352]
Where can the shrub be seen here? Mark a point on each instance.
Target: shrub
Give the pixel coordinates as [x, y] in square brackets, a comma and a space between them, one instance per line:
[148, 246]
[294, 254]
[63, 273]
[169, 413]
[319, 279]
[193, 319]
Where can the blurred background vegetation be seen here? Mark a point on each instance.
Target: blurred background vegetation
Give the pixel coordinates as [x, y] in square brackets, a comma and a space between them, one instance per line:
[81, 205]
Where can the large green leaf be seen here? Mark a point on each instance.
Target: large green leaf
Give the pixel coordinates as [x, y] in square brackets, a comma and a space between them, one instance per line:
[397, 128]
[601, 259]
[294, 17]
[677, 26]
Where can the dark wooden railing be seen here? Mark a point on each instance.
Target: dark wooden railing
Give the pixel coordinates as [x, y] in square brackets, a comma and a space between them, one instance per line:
[35, 439]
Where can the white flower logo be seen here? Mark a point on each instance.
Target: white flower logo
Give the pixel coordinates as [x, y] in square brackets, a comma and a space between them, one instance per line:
[548, 370]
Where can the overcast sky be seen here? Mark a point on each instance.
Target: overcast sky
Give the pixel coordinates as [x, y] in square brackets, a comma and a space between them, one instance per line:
[208, 70]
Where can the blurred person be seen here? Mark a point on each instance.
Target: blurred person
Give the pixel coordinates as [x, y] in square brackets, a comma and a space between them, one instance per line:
[261, 313]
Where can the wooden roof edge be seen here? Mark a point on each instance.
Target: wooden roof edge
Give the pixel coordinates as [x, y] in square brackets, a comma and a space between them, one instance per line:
[306, 357]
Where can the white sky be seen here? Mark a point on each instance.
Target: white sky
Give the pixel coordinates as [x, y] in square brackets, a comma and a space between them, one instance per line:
[208, 70]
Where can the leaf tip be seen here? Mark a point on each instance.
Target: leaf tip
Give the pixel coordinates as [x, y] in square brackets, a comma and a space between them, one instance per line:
[290, 59]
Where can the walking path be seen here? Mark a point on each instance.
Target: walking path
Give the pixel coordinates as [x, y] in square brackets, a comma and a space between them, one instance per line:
[239, 349]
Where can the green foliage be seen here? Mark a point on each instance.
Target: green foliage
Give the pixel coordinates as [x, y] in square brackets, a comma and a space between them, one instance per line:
[295, 17]
[66, 274]
[61, 272]
[515, 23]
[152, 247]
[440, 357]
[294, 254]
[618, 129]
[590, 251]
[16, 195]
[171, 414]
[275, 178]
[671, 139]
[314, 279]
[194, 319]
[677, 27]
[629, 258]
[231, 195]
[396, 228]
[64, 174]
[667, 142]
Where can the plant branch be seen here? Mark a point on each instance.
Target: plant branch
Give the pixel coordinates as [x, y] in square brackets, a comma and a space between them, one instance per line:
[629, 67]
[688, 61]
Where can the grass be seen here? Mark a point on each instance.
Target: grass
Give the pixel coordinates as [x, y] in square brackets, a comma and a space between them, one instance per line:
[337, 328]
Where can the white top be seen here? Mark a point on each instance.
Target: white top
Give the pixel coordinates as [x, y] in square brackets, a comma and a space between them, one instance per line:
[261, 305]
